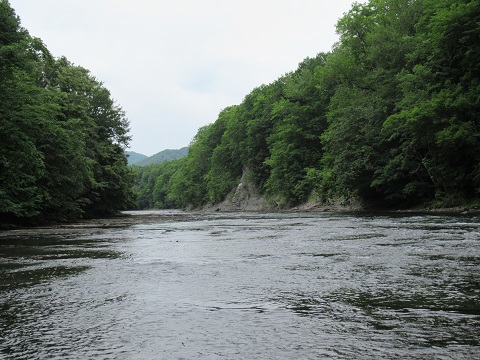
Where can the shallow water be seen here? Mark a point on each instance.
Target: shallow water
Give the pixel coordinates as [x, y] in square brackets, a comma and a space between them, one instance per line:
[246, 286]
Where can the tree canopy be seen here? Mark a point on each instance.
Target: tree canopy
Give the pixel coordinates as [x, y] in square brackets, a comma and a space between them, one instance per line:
[62, 136]
[389, 117]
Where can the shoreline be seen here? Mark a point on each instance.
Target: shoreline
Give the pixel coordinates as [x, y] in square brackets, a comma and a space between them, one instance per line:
[136, 217]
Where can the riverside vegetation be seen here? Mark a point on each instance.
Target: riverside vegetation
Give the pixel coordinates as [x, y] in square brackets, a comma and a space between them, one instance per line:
[62, 137]
[389, 119]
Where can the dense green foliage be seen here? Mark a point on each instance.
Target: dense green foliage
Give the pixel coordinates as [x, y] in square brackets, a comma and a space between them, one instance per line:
[390, 117]
[62, 137]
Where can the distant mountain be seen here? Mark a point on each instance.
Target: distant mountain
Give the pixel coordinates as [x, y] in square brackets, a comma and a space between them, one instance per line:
[134, 158]
[162, 156]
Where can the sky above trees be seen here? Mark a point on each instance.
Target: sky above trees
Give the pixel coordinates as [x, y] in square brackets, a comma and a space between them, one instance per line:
[174, 65]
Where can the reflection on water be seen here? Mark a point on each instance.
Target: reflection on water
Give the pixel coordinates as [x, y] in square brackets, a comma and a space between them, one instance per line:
[241, 286]
[35, 260]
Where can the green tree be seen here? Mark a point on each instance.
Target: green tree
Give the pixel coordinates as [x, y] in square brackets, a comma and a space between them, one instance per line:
[226, 159]
[256, 116]
[389, 117]
[189, 184]
[437, 129]
[375, 42]
[88, 106]
[294, 144]
[23, 113]
[62, 138]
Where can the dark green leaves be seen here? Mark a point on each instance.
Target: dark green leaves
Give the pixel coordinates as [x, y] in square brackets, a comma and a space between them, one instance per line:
[390, 117]
[62, 138]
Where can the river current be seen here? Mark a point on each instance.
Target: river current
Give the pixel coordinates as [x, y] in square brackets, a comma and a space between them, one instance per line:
[246, 286]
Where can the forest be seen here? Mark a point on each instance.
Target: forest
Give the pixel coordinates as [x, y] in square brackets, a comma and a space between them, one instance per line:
[389, 118]
[62, 137]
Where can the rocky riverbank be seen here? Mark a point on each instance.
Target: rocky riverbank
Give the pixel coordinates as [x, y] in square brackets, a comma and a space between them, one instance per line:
[244, 201]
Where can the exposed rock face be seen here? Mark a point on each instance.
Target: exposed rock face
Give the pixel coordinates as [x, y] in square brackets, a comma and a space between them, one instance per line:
[245, 197]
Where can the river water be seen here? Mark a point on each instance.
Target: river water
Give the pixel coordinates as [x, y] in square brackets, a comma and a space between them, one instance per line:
[245, 286]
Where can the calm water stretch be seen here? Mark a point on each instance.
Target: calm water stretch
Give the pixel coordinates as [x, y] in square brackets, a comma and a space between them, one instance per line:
[245, 286]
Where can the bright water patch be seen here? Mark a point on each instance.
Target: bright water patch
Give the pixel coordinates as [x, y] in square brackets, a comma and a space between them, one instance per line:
[247, 286]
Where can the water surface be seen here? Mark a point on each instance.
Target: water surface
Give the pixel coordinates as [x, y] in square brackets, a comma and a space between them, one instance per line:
[245, 286]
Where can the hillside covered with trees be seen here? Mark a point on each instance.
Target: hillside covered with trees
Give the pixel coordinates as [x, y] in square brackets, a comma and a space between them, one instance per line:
[390, 117]
[62, 137]
[158, 158]
[134, 157]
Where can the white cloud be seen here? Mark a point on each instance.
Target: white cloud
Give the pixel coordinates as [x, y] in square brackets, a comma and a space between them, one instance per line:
[173, 65]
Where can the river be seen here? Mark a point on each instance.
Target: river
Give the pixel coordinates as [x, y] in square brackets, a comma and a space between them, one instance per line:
[244, 286]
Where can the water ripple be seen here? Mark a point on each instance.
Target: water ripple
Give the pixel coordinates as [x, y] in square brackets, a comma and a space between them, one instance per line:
[240, 286]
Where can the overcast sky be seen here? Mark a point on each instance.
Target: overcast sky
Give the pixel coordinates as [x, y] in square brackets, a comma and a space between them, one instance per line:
[173, 65]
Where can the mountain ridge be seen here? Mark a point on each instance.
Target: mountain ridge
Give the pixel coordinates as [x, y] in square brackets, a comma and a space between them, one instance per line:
[138, 159]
